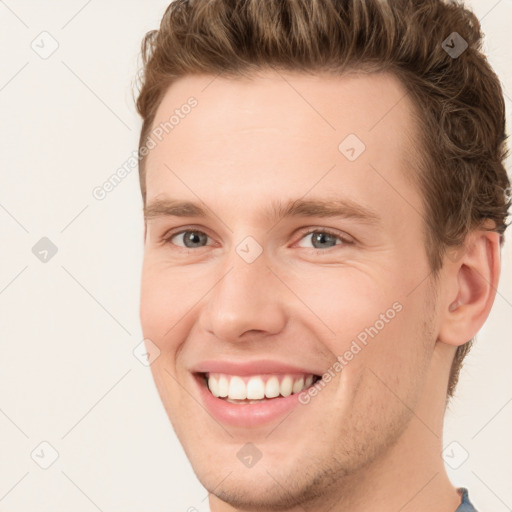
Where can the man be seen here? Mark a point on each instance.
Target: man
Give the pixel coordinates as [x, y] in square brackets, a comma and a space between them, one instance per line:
[325, 199]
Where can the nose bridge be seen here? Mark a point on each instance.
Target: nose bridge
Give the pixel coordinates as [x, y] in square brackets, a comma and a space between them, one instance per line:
[246, 297]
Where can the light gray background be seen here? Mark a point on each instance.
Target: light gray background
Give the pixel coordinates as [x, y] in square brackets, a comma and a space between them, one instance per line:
[68, 326]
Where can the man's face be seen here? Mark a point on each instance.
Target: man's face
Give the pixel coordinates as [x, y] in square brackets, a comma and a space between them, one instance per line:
[241, 292]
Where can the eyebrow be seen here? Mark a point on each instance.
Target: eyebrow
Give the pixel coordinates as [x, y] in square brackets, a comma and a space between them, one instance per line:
[344, 208]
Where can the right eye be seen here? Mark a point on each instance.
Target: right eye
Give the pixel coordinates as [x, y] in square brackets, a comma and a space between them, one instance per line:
[188, 239]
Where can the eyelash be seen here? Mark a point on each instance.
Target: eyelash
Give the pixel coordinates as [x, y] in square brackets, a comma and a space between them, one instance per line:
[345, 240]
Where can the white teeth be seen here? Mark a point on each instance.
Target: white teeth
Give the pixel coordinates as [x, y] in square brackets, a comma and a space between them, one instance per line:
[223, 386]
[237, 389]
[213, 384]
[286, 386]
[298, 385]
[256, 387]
[272, 387]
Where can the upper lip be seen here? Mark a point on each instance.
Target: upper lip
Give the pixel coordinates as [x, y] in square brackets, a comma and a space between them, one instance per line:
[255, 367]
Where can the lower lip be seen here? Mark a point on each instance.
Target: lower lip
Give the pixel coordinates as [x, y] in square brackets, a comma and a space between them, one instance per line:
[246, 415]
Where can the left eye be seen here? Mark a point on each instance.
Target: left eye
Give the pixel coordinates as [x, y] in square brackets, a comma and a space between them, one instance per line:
[323, 239]
[320, 239]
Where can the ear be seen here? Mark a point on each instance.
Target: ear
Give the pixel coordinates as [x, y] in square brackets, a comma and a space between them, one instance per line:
[472, 275]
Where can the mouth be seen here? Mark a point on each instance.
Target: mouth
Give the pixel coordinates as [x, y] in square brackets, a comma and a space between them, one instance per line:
[253, 393]
[256, 389]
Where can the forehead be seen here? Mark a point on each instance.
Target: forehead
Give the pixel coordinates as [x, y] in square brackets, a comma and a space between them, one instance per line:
[249, 136]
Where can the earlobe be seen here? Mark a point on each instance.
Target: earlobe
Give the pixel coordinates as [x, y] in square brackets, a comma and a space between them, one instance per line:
[472, 288]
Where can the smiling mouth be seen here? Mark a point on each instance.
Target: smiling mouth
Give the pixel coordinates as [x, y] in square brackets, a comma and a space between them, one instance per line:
[256, 388]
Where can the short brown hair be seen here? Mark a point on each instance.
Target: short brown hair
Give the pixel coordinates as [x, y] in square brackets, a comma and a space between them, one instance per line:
[458, 98]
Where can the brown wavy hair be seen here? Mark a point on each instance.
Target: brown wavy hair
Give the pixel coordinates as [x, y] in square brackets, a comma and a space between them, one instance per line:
[459, 103]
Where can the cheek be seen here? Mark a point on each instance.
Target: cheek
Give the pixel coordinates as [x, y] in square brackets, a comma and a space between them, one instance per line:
[165, 300]
[163, 317]
[393, 363]
[347, 300]
[372, 320]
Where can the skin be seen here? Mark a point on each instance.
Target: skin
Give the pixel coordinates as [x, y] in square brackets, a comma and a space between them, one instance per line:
[372, 438]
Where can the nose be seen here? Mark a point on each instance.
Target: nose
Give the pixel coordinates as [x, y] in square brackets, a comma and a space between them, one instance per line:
[247, 300]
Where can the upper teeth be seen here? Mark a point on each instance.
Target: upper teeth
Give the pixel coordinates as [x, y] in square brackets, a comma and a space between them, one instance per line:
[256, 387]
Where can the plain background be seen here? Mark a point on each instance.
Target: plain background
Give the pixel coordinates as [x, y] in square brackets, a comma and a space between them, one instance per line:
[68, 326]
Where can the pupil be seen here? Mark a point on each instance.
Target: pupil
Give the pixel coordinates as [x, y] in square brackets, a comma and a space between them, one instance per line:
[320, 237]
[194, 237]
